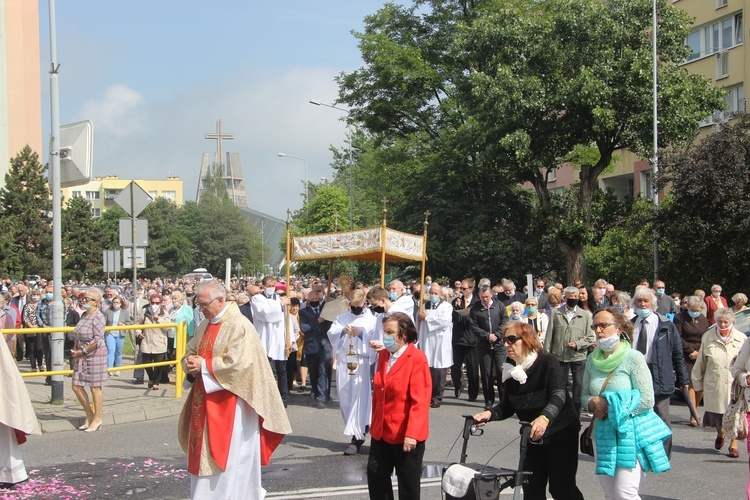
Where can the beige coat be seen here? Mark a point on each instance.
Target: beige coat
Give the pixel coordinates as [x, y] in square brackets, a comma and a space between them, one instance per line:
[241, 367]
[711, 373]
[741, 368]
[154, 339]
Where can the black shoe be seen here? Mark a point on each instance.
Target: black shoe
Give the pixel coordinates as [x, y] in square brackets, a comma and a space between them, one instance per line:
[434, 405]
[138, 381]
[472, 399]
[457, 391]
[488, 406]
[319, 405]
[285, 404]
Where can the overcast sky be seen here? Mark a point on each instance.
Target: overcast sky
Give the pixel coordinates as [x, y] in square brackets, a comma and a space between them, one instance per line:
[154, 76]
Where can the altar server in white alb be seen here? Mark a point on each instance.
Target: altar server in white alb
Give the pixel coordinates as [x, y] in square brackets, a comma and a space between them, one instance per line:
[354, 328]
[435, 336]
[17, 420]
[268, 320]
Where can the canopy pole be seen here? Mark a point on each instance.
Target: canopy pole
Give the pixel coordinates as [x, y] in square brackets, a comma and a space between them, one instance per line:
[288, 347]
[382, 243]
[424, 263]
[330, 266]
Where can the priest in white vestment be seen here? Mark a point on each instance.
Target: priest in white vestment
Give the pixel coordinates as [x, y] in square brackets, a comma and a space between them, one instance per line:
[435, 337]
[17, 420]
[354, 328]
[269, 321]
[233, 417]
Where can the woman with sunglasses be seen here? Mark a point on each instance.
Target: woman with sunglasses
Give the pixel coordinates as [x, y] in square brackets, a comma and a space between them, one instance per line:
[628, 435]
[154, 340]
[534, 389]
[90, 358]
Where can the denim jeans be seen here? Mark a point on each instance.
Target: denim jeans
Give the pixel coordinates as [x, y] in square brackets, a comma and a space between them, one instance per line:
[114, 349]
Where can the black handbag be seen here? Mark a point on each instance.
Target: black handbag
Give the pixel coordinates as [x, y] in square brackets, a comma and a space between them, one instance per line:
[587, 444]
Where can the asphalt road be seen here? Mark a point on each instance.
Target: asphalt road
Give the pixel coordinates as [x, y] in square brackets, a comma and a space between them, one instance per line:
[144, 461]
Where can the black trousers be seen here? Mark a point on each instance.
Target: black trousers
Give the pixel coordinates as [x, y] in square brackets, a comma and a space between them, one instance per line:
[320, 369]
[661, 408]
[383, 459]
[291, 370]
[34, 350]
[468, 355]
[556, 462]
[47, 350]
[155, 374]
[438, 376]
[20, 343]
[577, 368]
[279, 366]
[490, 372]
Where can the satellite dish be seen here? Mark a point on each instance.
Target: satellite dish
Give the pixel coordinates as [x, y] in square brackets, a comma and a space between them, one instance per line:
[76, 151]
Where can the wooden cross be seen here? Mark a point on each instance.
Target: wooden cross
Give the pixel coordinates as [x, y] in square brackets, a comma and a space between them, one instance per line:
[218, 136]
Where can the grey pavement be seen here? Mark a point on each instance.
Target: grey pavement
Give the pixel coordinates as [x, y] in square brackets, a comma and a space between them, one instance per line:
[123, 401]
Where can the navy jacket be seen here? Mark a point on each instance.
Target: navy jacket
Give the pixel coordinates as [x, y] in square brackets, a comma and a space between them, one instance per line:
[667, 358]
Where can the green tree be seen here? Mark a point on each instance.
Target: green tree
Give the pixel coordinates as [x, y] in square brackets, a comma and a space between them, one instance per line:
[706, 219]
[81, 243]
[215, 185]
[493, 93]
[108, 226]
[25, 211]
[169, 252]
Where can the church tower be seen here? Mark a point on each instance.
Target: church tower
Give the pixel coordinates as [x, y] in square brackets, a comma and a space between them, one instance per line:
[233, 178]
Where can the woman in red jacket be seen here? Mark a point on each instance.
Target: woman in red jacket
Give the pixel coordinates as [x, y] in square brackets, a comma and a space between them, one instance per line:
[402, 388]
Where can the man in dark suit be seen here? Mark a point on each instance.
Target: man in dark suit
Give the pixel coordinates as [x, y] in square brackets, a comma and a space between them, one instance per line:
[317, 349]
[247, 308]
[487, 319]
[540, 294]
[465, 342]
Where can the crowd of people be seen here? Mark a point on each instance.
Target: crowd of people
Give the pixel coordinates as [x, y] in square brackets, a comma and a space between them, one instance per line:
[545, 355]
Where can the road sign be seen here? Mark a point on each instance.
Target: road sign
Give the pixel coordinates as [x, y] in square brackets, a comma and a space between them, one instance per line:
[140, 258]
[126, 232]
[135, 204]
[111, 261]
[238, 267]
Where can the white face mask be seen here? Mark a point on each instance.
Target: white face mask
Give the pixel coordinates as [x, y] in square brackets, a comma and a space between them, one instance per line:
[155, 308]
[608, 344]
[270, 290]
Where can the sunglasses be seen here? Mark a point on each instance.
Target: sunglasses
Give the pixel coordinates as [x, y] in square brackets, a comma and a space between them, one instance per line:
[155, 303]
[511, 339]
[597, 326]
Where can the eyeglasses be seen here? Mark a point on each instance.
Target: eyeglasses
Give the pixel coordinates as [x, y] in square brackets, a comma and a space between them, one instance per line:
[155, 303]
[201, 305]
[511, 339]
[87, 299]
[602, 326]
[465, 288]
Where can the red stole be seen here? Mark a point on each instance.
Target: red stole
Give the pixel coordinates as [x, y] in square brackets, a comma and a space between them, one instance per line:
[213, 412]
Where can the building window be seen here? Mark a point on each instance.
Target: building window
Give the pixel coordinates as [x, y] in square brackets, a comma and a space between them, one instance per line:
[722, 64]
[93, 195]
[75, 194]
[96, 212]
[551, 175]
[721, 3]
[111, 194]
[170, 195]
[721, 35]
[735, 101]
[153, 194]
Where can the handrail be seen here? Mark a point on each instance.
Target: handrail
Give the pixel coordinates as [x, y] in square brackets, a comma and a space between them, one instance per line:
[180, 344]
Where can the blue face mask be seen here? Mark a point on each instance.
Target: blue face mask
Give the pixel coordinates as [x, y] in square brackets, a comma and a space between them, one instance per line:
[530, 310]
[694, 314]
[390, 343]
[49, 296]
[515, 317]
[86, 306]
[393, 296]
[620, 308]
[642, 312]
[608, 344]
[434, 299]
[659, 292]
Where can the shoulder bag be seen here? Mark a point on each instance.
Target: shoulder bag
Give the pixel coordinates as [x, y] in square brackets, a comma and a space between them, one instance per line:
[587, 444]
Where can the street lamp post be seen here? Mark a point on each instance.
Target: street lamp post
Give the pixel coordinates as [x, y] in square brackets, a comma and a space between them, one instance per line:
[351, 166]
[307, 183]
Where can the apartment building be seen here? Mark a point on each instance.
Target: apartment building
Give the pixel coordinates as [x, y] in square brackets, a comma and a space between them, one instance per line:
[102, 191]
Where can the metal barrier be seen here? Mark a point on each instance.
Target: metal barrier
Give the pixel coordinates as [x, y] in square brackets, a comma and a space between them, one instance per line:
[180, 343]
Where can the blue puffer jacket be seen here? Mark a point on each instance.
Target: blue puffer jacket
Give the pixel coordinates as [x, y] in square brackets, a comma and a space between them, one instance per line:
[623, 438]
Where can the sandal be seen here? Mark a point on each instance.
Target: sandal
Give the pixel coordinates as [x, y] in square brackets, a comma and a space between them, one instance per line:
[734, 453]
[155, 387]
